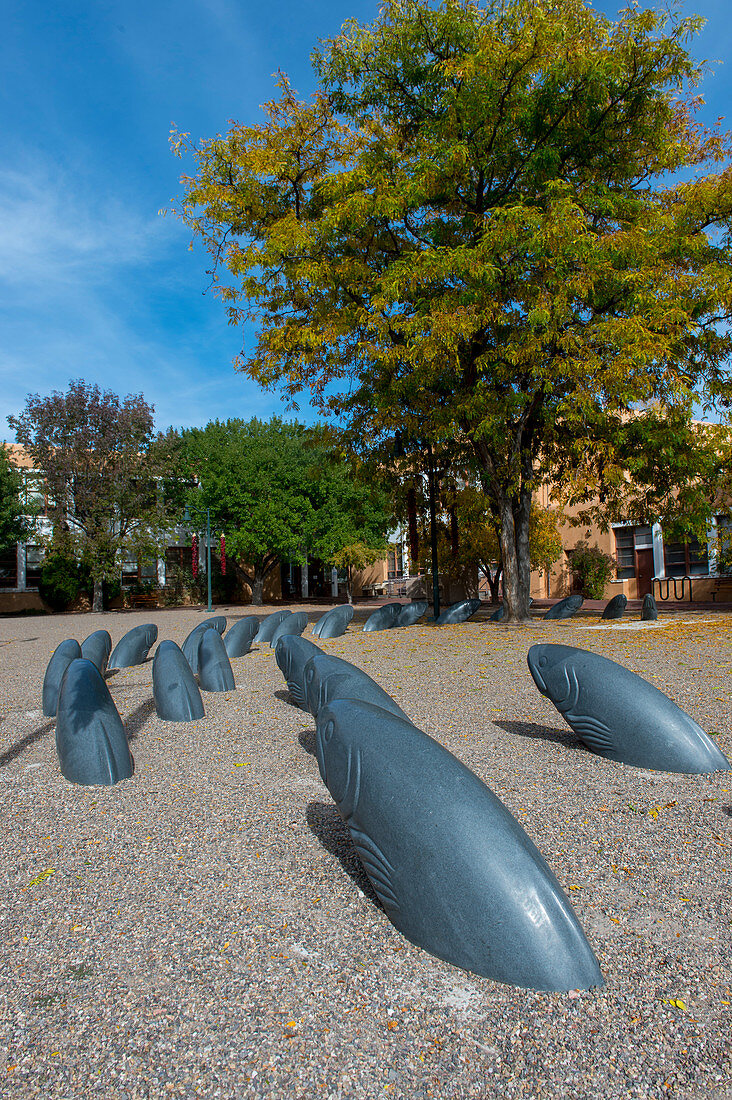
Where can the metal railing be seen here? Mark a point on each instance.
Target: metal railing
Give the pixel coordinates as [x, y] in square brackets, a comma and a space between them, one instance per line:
[660, 581]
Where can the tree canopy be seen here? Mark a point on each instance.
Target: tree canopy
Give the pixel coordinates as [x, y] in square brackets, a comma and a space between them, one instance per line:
[102, 463]
[280, 493]
[502, 219]
[14, 525]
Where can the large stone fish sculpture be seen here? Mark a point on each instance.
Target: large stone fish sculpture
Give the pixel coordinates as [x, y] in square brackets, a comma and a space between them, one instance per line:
[458, 612]
[619, 715]
[291, 624]
[175, 691]
[90, 739]
[134, 646]
[292, 653]
[214, 667]
[334, 622]
[325, 680]
[190, 645]
[96, 648]
[240, 636]
[649, 610]
[615, 607]
[566, 608]
[384, 618]
[411, 613]
[64, 653]
[269, 624]
[455, 872]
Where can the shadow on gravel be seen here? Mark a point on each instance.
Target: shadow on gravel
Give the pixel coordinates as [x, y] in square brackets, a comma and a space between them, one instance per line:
[542, 733]
[138, 717]
[25, 742]
[286, 698]
[307, 740]
[327, 825]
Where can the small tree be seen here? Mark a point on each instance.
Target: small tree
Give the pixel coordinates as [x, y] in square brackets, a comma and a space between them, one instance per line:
[100, 458]
[354, 557]
[593, 569]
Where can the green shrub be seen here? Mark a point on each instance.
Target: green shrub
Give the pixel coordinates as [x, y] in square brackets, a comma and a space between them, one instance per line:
[592, 568]
[60, 581]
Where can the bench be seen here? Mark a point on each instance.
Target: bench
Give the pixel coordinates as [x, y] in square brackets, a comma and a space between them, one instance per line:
[144, 601]
[721, 583]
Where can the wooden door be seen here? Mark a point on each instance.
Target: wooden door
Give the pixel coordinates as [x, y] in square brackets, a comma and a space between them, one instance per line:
[644, 572]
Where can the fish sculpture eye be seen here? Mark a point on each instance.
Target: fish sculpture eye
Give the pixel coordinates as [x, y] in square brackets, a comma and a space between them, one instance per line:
[543, 661]
[328, 732]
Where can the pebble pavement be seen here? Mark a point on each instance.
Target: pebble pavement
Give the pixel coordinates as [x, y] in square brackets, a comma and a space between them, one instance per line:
[205, 929]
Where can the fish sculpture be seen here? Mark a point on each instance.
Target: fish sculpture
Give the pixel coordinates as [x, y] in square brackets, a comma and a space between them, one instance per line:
[615, 607]
[96, 648]
[325, 681]
[649, 610]
[384, 618]
[565, 608]
[291, 624]
[134, 646]
[64, 653]
[269, 624]
[214, 667]
[411, 613]
[175, 692]
[619, 715]
[454, 870]
[292, 653]
[90, 739]
[190, 645]
[239, 637]
[334, 622]
[458, 612]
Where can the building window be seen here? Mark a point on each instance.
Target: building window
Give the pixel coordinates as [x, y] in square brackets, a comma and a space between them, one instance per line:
[395, 562]
[139, 571]
[624, 552]
[9, 569]
[33, 562]
[724, 544]
[686, 559]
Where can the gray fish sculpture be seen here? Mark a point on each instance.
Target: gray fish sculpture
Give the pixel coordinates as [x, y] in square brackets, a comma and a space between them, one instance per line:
[384, 618]
[62, 656]
[615, 607]
[292, 654]
[327, 664]
[191, 643]
[619, 715]
[566, 608]
[458, 612]
[90, 739]
[498, 615]
[134, 646]
[96, 648]
[238, 640]
[455, 872]
[214, 667]
[175, 691]
[291, 624]
[411, 613]
[325, 681]
[269, 624]
[334, 622]
[649, 610]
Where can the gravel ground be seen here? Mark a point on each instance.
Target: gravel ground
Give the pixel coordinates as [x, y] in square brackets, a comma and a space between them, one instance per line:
[205, 929]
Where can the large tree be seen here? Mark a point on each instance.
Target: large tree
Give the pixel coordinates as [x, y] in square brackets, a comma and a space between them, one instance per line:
[491, 216]
[103, 466]
[279, 492]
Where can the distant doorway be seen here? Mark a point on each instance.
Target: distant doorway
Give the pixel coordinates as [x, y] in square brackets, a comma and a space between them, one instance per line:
[644, 572]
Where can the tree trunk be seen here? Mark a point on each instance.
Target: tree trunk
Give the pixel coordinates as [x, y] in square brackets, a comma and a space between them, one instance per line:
[413, 531]
[98, 598]
[494, 582]
[515, 513]
[349, 585]
[257, 586]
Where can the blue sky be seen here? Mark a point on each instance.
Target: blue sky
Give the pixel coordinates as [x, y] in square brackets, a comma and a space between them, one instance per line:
[94, 283]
